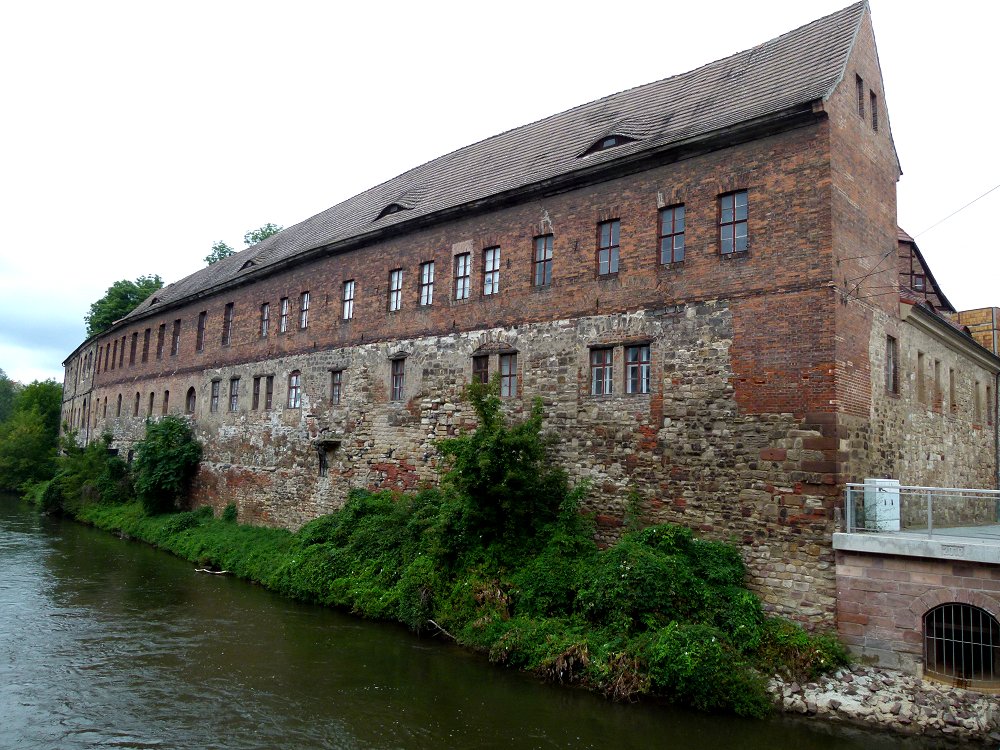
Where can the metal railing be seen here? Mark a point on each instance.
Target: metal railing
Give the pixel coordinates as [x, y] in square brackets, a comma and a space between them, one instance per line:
[884, 506]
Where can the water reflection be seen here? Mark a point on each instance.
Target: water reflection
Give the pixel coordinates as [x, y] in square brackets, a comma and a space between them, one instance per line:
[106, 643]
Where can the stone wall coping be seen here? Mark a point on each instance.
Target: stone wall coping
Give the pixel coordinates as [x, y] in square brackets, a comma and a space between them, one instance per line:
[969, 549]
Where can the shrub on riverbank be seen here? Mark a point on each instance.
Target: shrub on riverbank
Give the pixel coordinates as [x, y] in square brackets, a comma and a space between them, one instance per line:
[661, 613]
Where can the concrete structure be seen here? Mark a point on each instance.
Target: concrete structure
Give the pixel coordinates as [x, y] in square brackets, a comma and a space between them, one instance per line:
[691, 274]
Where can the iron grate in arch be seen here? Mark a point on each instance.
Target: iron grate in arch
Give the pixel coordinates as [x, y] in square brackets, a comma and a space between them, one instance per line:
[962, 646]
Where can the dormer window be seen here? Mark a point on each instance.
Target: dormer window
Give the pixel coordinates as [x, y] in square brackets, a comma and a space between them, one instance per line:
[248, 264]
[392, 208]
[609, 141]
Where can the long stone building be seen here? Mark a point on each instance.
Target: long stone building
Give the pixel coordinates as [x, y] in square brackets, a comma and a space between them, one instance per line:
[700, 277]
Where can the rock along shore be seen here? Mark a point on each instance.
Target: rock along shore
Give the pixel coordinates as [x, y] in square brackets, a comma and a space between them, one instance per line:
[874, 697]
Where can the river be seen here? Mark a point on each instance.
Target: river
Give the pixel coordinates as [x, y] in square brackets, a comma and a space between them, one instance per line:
[108, 643]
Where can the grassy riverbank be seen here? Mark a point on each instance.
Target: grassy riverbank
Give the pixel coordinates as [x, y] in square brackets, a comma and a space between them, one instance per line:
[498, 558]
[661, 613]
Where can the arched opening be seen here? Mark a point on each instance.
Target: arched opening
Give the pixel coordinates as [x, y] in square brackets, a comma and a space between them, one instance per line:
[189, 402]
[962, 646]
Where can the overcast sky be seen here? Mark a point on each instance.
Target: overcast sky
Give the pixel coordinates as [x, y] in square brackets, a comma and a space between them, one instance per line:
[133, 135]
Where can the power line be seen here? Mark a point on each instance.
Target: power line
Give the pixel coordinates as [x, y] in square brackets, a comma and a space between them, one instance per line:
[942, 221]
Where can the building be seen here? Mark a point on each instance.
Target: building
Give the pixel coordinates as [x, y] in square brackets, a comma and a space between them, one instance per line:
[694, 275]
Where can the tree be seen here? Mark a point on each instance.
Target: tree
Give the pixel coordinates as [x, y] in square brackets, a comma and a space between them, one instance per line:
[27, 449]
[121, 298]
[259, 235]
[45, 396]
[220, 250]
[165, 463]
[8, 392]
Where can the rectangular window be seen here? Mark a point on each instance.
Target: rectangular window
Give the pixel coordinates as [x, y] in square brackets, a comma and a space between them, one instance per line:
[543, 260]
[324, 463]
[601, 371]
[114, 354]
[481, 369]
[891, 365]
[977, 403]
[491, 270]
[135, 410]
[304, 310]
[161, 337]
[265, 319]
[121, 353]
[234, 394]
[733, 223]
[295, 390]
[336, 384]
[989, 404]
[637, 369]
[283, 319]
[918, 283]
[938, 390]
[255, 402]
[463, 272]
[213, 404]
[508, 375]
[672, 234]
[859, 84]
[268, 391]
[608, 237]
[133, 348]
[227, 325]
[149, 409]
[348, 299]
[175, 338]
[166, 402]
[953, 402]
[395, 289]
[873, 100]
[427, 283]
[397, 379]
[199, 343]
[921, 386]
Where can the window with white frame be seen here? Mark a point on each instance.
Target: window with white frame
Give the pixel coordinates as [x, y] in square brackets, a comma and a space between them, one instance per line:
[491, 270]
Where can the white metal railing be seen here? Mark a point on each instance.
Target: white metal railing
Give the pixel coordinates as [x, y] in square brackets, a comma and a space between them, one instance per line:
[885, 506]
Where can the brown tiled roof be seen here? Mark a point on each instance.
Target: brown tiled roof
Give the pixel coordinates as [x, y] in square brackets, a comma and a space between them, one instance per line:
[789, 71]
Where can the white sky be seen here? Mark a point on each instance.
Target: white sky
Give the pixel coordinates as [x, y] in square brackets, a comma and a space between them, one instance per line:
[133, 134]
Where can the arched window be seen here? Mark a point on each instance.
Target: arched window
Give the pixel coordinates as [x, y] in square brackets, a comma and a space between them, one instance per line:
[118, 411]
[189, 402]
[135, 411]
[962, 645]
[149, 411]
[295, 390]
[166, 401]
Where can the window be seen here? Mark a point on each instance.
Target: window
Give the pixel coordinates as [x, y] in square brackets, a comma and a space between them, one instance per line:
[977, 403]
[918, 283]
[397, 379]
[304, 310]
[175, 339]
[149, 410]
[324, 462]
[199, 343]
[234, 394]
[166, 402]
[891, 365]
[118, 410]
[295, 390]
[268, 391]
[395, 289]
[481, 369]
[227, 325]
[733, 223]
[114, 354]
[859, 84]
[336, 384]
[601, 370]
[213, 404]
[463, 272]
[637, 369]
[161, 337]
[962, 643]
[189, 402]
[508, 375]
[607, 247]
[427, 283]
[491, 270]
[938, 390]
[873, 100]
[132, 350]
[921, 386]
[283, 319]
[543, 260]
[989, 404]
[951, 391]
[348, 299]
[265, 319]
[104, 415]
[672, 234]
[255, 403]
[121, 353]
[135, 410]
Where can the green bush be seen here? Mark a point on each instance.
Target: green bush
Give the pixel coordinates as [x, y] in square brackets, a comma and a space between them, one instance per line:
[229, 513]
[788, 649]
[165, 463]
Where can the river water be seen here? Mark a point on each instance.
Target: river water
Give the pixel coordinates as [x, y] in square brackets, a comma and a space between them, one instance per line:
[108, 643]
